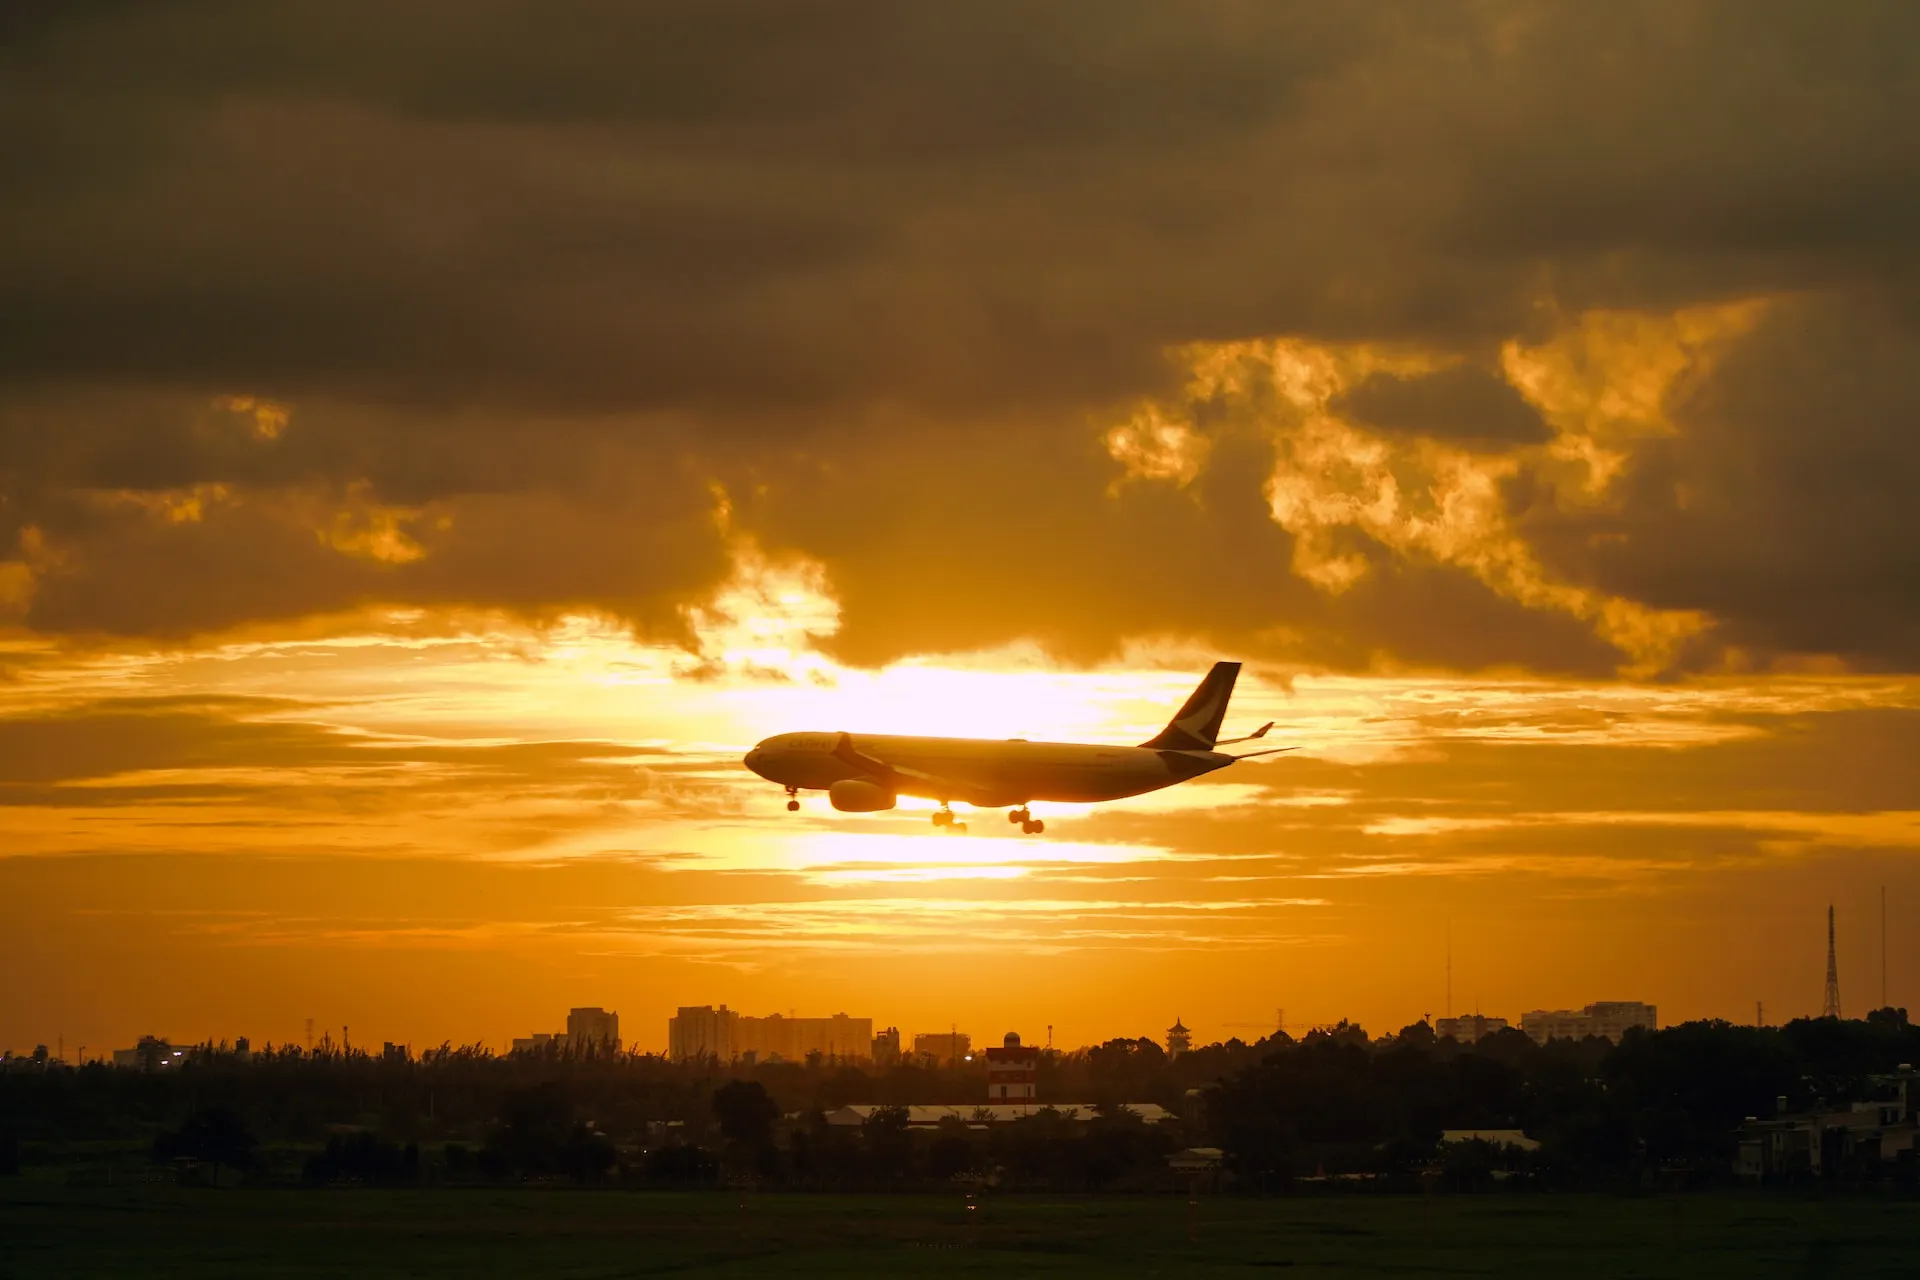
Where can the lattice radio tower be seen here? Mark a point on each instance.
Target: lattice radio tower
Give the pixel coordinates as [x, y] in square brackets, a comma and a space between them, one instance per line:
[1830, 1007]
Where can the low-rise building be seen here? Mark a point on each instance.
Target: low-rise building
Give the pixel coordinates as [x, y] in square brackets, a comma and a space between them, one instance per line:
[1868, 1138]
[150, 1054]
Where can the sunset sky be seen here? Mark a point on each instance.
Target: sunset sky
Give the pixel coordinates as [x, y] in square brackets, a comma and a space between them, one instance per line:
[437, 440]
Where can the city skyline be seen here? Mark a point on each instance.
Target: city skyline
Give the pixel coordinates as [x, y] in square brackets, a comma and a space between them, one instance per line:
[602, 1028]
[1229, 1021]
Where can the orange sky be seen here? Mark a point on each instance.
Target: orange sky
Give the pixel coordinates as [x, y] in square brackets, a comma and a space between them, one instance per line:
[458, 835]
[427, 463]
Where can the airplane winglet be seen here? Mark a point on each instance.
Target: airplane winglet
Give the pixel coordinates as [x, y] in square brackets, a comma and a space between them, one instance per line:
[1261, 732]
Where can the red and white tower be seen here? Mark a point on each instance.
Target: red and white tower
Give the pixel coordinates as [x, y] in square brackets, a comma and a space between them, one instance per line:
[1013, 1071]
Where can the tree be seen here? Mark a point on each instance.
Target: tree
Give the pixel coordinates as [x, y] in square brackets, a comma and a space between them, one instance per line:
[746, 1113]
[952, 1151]
[216, 1136]
[889, 1142]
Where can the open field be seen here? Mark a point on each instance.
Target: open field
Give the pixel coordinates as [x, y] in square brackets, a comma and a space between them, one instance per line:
[161, 1231]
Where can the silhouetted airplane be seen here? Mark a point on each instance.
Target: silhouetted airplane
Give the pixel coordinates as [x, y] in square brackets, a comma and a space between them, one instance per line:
[869, 773]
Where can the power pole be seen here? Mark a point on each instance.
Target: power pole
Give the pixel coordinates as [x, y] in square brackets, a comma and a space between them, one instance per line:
[1830, 1007]
[1883, 946]
[1449, 966]
[1759, 1014]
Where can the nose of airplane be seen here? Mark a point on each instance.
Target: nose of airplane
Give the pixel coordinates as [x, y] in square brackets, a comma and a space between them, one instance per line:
[752, 760]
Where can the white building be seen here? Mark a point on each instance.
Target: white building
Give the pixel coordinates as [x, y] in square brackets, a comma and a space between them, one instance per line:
[992, 1113]
[593, 1028]
[949, 1047]
[1609, 1019]
[1469, 1028]
[702, 1031]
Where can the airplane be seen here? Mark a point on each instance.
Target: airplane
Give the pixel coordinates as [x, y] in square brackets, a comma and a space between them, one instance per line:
[869, 773]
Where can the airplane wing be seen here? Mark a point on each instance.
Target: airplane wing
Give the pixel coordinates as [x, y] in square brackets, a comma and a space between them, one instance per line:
[1270, 751]
[913, 781]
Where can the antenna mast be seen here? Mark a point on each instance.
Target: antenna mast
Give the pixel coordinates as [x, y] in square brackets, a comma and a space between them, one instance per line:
[1830, 1008]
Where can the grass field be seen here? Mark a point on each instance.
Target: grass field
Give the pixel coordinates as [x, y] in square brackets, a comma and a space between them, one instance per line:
[52, 1230]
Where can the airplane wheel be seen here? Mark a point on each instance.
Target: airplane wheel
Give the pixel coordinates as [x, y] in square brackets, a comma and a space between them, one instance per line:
[1036, 826]
[1014, 816]
[942, 819]
[960, 828]
[793, 806]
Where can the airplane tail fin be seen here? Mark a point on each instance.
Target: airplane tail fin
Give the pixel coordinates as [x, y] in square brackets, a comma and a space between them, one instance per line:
[1197, 726]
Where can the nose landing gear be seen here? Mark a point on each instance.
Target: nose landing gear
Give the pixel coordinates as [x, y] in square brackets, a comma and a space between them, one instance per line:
[793, 799]
[1028, 823]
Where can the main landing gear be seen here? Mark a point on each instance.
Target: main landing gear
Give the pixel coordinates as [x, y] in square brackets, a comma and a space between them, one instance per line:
[793, 799]
[944, 817]
[1028, 823]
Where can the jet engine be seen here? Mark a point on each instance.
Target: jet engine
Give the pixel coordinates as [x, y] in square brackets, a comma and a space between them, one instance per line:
[857, 795]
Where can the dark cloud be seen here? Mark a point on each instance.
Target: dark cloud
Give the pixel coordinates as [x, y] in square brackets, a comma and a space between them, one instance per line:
[628, 205]
[535, 278]
[1461, 404]
[1784, 505]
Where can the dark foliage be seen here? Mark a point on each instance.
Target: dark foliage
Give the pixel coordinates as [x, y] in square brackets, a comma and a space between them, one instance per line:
[363, 1157]
[217, 1137]
[1333, 1103]
[681, 1166]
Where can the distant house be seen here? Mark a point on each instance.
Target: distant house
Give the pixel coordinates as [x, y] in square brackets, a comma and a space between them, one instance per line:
[1196, 1160]
[1877, 1135]
[1513, 1138]
[151, 1054]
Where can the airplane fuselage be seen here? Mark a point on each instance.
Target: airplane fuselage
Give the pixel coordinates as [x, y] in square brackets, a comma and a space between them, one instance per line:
[983, 772]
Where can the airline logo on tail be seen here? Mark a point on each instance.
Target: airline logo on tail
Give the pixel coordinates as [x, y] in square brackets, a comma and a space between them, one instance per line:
[1197, 726]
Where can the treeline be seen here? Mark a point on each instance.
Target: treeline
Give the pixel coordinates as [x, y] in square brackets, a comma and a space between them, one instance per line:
[1335, 1105]
[1667, 1103]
